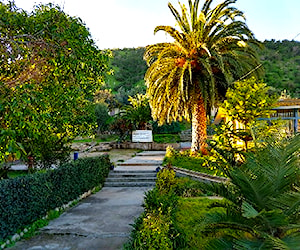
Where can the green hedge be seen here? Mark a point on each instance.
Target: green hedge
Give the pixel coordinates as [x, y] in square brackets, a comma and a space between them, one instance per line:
[26, 199]
[156, 227]
[173, 128]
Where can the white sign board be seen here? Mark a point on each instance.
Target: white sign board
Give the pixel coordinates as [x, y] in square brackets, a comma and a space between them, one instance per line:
[142, 136]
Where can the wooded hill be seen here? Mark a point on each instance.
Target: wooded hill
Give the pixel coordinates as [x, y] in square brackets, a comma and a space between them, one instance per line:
[281, 61]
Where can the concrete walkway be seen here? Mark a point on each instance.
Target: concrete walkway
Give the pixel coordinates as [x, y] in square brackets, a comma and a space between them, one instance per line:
[101, 221]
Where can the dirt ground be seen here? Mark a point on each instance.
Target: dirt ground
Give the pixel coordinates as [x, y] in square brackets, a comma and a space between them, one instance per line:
[115, 155]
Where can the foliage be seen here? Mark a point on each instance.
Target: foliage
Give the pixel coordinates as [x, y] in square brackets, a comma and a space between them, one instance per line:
[165, 180]
[156, 228]
[281, 60]
[138, 111]
[154, 231]
[31, 230]
[187, 187]
[50, 70]
[105, 96]
[26, 199]
[230, 145]
[262, 200]
[172, 128]
[187, 77]
[248, 100]
[14, 173]
[129, 70]
[136, 115]
[102, 116]
[122, 127]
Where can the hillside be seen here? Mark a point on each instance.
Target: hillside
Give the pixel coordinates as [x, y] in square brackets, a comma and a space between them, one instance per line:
[129, 70]
[281, 61]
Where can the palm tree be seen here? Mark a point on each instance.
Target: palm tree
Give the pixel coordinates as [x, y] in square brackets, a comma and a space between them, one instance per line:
[187, 77]
[262, 206]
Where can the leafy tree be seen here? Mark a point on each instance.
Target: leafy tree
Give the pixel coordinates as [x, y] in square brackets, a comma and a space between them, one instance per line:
[185, 78]
[172, 128]
[104, 102]
[245, 102]
[248, 100]
[138, 113]
[51, 69]
[122, 127]
[262, 201]
[106, 97]
[129, 67]
[103, 117]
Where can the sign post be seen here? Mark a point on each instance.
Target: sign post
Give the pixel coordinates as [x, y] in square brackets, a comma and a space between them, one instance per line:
[142, 136]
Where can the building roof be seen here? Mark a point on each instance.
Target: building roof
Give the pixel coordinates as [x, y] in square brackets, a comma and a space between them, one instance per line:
[288, 104]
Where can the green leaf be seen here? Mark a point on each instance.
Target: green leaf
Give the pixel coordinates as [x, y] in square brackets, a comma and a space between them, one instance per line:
[248, 210]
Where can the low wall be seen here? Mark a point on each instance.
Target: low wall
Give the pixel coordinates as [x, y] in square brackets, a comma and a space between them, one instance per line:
[145, 145]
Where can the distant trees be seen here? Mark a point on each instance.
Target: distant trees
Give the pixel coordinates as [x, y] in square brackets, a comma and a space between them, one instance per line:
[281, 60]
[128, 77]
[212, 48]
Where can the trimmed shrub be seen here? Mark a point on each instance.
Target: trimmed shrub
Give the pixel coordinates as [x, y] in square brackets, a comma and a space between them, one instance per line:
[26, 199]
[156, 228]
[172, 128]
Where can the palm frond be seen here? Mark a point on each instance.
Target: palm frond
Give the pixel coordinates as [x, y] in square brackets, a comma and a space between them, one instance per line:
[208, 55]
[292, 241]
[172, 32]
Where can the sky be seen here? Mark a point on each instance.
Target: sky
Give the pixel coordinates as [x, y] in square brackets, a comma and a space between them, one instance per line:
[130, 23]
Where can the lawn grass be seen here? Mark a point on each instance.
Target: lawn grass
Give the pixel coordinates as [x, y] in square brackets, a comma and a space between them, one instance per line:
[158, 138]
[166, 138]
[189, 215]
[103, 138]
[198, 164]
[16, 173]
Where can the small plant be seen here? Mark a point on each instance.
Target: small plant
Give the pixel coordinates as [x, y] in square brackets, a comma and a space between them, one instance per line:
[155, 230]
[170, 151]
[165, 180]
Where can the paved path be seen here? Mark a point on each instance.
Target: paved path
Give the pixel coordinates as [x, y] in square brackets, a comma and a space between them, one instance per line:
[101, 221]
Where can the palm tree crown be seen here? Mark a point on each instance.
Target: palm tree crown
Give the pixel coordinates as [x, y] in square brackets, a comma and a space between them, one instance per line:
[212, 48]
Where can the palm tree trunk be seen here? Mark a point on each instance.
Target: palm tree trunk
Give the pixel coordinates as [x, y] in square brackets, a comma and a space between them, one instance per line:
[199, 134]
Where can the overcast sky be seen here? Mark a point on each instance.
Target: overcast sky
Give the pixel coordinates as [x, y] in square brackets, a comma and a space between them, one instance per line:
[130, 23]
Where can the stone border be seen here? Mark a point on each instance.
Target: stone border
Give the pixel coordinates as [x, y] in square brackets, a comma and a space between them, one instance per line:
[145, 145]
[198, 175]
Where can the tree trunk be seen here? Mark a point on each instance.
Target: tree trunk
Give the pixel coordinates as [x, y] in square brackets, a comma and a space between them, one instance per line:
[199, 134]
